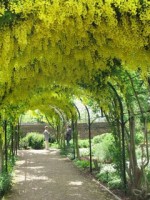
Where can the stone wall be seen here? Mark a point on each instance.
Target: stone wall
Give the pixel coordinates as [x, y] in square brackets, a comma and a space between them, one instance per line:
[96, 129]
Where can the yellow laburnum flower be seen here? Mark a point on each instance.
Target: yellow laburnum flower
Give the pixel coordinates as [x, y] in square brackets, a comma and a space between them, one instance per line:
[2, 9]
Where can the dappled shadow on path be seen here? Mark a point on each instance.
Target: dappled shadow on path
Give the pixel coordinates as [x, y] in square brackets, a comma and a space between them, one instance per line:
[45, 175]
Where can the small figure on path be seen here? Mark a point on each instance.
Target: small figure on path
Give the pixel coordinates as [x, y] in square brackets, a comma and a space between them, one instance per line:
[46, 137]
[68, 135]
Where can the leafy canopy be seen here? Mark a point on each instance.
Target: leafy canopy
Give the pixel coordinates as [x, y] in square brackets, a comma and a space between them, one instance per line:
[65, 42]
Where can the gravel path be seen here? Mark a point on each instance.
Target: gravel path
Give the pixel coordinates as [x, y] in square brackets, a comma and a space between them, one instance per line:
[45, 175]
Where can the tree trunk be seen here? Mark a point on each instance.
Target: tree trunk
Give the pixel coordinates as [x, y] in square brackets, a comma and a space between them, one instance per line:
[1, 154]
[6, 148]
[77, 141]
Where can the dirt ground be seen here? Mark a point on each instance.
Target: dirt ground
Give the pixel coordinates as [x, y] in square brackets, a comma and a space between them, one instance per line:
[45, 175]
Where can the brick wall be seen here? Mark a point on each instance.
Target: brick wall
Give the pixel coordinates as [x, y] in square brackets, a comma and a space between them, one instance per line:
[27, 128]
[96, 129]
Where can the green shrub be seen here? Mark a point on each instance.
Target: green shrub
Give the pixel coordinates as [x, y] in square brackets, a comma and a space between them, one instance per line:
[52, 139]
[55, 145]
[107, 151]
[97, 139]
[24, 143]
[82, 163]
[100, 152]
[102, 149]
[34, 140]
[5, 183]
[115, 184]
[103, 177]
[30, 137]
[110, 176]
[84, 152]
[68, 152]
[84, 143]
